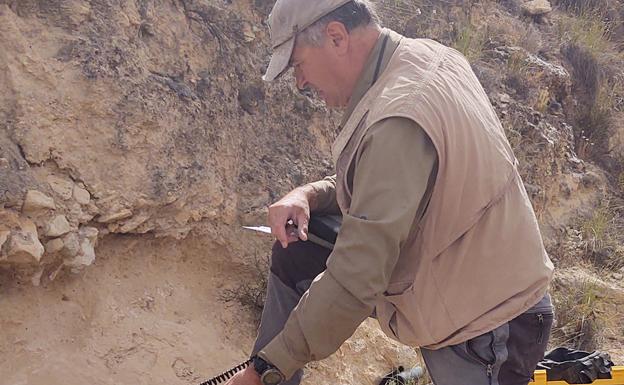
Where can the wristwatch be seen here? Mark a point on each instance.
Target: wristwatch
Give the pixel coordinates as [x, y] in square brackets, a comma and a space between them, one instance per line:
[269, 374]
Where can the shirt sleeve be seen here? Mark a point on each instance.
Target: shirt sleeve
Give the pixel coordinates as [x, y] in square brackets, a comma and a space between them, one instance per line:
[325, 195]
[395, 161]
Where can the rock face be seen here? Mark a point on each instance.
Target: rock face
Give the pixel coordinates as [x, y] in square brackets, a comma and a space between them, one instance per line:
[149, 117]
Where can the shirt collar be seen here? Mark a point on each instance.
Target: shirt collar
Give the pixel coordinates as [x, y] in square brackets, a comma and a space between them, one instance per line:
[375, 64]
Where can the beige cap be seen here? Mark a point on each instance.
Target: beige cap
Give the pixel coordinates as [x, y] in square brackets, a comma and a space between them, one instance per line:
[288, 18]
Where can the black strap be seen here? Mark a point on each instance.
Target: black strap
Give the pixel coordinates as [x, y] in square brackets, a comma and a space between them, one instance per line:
[380, 59]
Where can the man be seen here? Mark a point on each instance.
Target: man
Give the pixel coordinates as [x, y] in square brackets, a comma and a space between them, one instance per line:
[439, 241]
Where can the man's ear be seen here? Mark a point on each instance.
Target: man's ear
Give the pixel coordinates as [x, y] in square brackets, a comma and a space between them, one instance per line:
[338, 37]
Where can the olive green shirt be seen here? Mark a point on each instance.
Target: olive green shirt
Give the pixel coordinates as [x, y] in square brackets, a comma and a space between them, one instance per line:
[391, 186]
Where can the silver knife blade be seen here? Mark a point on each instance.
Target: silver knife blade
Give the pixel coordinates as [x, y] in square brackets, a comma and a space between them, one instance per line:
[311, 237]
[262, 229]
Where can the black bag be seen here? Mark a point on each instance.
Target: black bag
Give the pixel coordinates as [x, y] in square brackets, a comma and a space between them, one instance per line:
[576, 366]
[326, 228]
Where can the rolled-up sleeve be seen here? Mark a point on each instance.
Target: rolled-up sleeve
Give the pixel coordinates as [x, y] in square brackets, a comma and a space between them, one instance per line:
[394, 164]
[325, 195]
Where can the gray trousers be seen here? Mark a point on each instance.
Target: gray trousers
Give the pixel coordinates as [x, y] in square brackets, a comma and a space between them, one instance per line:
[506, 355]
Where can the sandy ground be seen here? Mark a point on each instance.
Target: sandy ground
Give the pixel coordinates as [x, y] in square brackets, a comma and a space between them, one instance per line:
[148, 312]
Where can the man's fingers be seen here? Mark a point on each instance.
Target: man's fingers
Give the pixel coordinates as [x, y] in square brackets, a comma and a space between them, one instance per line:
[281, 235]
[278, 228]
[302, 226]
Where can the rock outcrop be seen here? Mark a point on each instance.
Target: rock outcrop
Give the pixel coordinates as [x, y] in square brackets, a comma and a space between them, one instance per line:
[147, 117]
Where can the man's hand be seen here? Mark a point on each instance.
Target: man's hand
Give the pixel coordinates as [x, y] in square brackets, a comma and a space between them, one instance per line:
[295, 207]
[248, 376]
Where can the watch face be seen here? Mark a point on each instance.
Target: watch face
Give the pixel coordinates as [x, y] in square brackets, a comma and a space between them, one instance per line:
[272, 377]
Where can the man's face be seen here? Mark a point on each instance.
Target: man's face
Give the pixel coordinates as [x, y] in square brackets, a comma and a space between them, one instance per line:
[318, 68]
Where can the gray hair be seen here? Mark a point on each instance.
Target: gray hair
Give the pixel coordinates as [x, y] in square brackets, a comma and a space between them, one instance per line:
[356, 13]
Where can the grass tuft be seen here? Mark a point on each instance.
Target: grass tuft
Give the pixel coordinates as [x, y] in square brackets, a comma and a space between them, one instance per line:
[469, 40]
[602, 237]
[251, 293]
[579, 315]
[589, 29]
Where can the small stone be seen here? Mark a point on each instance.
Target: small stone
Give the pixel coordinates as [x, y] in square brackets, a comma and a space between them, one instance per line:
[617, 276]
[56, 272]
[62, 187]
[54, 246]
[36, 200]
[123, 214]
[537, 7]
[133, 223]
[81, 195]
[24, 246]
[4, 163]
[58, 226]
[71, 245]
[504, 98]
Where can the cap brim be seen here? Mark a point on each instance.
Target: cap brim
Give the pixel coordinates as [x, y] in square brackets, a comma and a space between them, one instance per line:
[279, 60]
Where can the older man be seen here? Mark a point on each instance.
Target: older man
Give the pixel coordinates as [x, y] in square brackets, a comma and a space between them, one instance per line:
[439, 241]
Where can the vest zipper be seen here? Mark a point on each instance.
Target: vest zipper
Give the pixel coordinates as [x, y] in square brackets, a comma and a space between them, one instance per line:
[489, 373]
[540, 336]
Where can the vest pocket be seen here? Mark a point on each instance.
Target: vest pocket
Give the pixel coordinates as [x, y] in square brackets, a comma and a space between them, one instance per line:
[401, 319]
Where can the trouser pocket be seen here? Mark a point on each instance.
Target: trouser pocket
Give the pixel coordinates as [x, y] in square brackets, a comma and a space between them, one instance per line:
[474, 362]
[528, 337]
[488, 351]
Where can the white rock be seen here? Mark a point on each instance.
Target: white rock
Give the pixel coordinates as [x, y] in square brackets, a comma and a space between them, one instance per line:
[58, 226]
[4, 163]
[537, 7]
[117, 216]
[24, 246]
[85, 257]
[617, 276]
[91, 233]
[88, 252]
[36, 200]
[54, 246]
[81, 195]
[62, 187]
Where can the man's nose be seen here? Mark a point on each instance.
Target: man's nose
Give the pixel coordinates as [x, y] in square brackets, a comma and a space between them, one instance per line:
[304, 87]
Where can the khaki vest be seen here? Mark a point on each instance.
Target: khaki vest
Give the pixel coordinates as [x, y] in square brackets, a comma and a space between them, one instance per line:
[476, 259]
